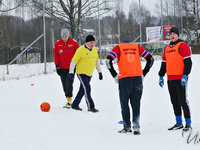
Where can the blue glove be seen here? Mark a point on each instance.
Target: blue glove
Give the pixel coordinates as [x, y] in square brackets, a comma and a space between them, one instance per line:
[161, 81]
[184, 80]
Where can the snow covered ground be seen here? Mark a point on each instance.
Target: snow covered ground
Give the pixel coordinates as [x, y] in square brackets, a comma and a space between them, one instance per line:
[24, 127]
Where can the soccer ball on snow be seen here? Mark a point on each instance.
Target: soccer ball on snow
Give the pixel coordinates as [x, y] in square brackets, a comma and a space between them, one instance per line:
[45, 107]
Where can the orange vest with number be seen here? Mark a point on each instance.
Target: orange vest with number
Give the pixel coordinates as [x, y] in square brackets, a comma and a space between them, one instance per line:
[129, 62]
[174, 60]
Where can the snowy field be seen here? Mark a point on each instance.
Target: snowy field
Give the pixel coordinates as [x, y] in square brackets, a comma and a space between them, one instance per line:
[24, 127]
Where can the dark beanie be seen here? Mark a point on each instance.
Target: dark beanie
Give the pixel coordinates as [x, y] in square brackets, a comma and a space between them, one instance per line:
[174, 29]
[90, 38]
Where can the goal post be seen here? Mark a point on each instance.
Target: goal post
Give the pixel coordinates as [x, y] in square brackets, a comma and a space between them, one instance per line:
[27, 48]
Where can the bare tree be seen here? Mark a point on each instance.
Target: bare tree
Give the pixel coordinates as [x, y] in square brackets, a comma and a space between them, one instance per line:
[166, 11]
[70, 13]
[4, 8]
[187, 13]
[196, 17]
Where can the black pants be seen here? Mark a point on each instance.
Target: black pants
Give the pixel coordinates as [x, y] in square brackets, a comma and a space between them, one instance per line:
[130, 89]
[66, 83]
[178, 97]
[85, 89]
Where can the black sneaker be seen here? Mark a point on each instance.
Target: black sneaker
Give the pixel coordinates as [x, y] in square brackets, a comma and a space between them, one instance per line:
[187, 128]
[76, 108]
[176, 127]
[125, 130]
[136, 132]
[93, 110]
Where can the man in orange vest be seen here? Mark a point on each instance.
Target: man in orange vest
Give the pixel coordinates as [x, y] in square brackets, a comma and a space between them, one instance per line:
[177, 63]
[130, 80]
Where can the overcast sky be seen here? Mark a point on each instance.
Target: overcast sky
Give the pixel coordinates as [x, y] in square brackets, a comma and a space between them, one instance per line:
[149, 4]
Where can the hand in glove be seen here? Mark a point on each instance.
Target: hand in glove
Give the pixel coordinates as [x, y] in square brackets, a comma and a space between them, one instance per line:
[161, 81]
[100, 76]
[116, 78]
[71, 76]
[184, 80]
[142, 77]
[58, 70]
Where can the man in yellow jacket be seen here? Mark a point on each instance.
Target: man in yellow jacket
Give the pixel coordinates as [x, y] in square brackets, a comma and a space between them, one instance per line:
[85, 60]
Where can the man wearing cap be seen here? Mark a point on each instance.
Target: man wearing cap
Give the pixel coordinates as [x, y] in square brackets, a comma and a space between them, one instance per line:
[85, 60]
[177, 63]
[64, 50]
[129, 78]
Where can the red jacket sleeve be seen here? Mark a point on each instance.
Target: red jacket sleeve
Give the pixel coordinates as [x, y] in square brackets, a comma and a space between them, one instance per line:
[143, 52]
[56, 54]
[164, 58]
[115, 53]
[184, 50]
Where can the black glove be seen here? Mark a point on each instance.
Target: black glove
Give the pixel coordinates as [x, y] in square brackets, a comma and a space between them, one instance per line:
[100, 76]
[145, 71]
[71, 76]
[58, 70]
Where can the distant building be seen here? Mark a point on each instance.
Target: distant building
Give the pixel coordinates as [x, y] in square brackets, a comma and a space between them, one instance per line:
[88, 31]
[85, 32]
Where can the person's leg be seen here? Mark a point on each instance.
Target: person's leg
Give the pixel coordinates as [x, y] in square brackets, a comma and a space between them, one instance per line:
[135, 99]
[172, 87]
[124, 99]
[63, 78]
[79, 96]
[68, 88]
[69, 85]
[182, 97]
[85, 82]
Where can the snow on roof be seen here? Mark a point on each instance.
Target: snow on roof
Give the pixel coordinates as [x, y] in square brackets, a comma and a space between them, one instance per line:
[88, 30]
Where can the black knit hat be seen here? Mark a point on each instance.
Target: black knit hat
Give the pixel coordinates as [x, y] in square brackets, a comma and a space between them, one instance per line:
[174, 29]
[89, 38]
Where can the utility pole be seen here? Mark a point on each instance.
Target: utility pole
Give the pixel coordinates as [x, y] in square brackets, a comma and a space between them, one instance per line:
[140, 22]
[162, 25]
[182, 17]
[119, 30]
[99, 34]
[52, 32]
[118, 22]
[44, 30]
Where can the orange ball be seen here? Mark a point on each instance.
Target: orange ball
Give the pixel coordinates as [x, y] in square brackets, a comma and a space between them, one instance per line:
[45, 107]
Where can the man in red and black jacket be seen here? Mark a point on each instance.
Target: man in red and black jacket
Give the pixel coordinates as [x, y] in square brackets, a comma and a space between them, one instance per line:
[177, 63]
[64, 51]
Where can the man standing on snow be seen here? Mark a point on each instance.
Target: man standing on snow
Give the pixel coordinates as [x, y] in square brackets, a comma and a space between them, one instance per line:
[85, 60]
[64, 50]
[130, 80]
[177, 63]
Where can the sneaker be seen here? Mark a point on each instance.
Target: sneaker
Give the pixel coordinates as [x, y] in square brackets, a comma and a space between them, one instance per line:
[76, 108]
[176, 127]
[136, 131]
[187, 128]
[93, 110]
[68, 105]
[125, 130]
